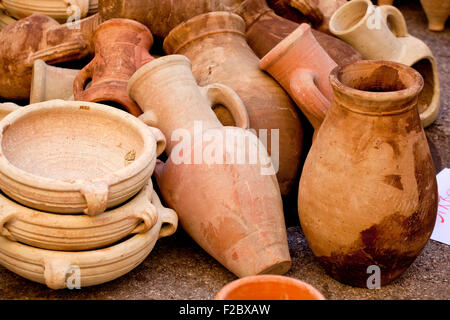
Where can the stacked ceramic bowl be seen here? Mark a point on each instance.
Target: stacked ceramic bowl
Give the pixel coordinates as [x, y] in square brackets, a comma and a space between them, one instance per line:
[77, 192]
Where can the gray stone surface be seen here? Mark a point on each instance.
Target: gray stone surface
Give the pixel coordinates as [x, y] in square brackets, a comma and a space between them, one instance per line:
[178, 269]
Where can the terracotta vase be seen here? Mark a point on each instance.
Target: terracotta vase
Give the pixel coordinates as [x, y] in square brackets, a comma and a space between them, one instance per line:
[75, 157]
[5, 19]
[58, 269]
[302, 67]
[268, 287]
[265, 30]
[77, 232]
[49, 83]
[51, 42]
[231, 208]
[121, 47]
[437, 13]
[215, 43]
[368, 29]
[368, 193]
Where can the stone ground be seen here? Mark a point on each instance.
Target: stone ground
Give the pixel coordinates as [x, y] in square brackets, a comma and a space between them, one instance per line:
[178, 269]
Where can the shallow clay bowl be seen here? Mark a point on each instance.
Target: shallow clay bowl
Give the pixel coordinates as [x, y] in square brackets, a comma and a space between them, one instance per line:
[77, 232]
[55, 268]
[268, 287]
[73, 157]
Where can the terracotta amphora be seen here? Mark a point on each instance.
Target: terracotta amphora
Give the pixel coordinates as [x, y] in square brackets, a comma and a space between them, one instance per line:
[49, 82]
[437, 13]
[58, 269]
[75, 157]
[50, 41]
[215, 43]
[268, 287]
[265, 30]
[380, 33]
[5, 19]
[121, 47]
[230, 205]
[368, 193]
[303, 68]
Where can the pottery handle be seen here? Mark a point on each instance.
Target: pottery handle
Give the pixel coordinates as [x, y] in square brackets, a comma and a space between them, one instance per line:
[169, 218]
[224, 95]
[55, 273]
[309, 98]
[79, 84]
[5, 217]
[397, 23]
[61, 52]
[6, 108]
[160, 140]
[149, 217]
[308, 8]
[96, 195]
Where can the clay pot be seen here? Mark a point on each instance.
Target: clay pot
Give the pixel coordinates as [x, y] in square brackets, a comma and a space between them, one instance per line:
[437, 13]
[232, 209]
[75, 157]
[265, 30]
[302, 68]
[50, 42]
[55, 268]
[5, 19]
[77, 232]
[366, 28]
[215, 43]
[121, 47]
[49, 83]
[268, 287]
[371, 199]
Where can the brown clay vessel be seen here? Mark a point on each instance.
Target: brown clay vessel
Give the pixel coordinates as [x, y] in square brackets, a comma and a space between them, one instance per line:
[121, 47]
[368, 193]
[437, 13]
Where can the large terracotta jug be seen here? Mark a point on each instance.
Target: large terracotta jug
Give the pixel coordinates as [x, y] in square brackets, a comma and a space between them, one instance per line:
[380, 33]
[265, 30]
[368, 195]
[121, 47]
[215, 43]
[39, 37]
[303, 67]
[230, 207]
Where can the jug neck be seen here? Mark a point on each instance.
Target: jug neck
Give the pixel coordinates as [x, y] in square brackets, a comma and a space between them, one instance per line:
[253, 10]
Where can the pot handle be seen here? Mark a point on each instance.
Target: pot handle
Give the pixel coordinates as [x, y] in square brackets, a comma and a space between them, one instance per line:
[398, 23]
[169, 218]
[308, 8]
[160, 139]
[309, 98]
[81, 80]
[224, 95]
[149, 217]
[55, 272]
[59, 52]
[4, 218]
[96, 195]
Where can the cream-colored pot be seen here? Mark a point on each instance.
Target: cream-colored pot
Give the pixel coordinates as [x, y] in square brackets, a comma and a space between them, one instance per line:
[57, 269]
[74, 157]
[77, 232]
[60, 10]
[366, 28]
[49, 83]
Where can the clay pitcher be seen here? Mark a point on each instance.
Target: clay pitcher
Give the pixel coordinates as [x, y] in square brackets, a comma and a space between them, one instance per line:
[39, 37]
[49, 82]
[265, 30]
[380, 33]
[302, 68]
[437, 13]
[121, 47]
[230, 208]
[368, 193]
[215, 43]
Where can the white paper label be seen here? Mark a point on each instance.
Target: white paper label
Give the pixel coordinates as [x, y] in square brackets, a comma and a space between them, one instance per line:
[441, 231]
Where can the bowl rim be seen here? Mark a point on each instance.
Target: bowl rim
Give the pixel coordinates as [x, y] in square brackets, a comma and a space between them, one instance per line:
[35, 181]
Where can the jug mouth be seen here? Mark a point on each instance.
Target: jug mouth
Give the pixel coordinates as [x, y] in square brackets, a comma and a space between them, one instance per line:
[350, 16]
[201, 26]
[144, 35]
[374, 87]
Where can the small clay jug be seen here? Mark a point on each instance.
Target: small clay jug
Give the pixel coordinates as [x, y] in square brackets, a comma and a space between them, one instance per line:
[380, 33]
[215, 43]
[231, 208]
[39, 37]
[49, 82]
[121, 47]
[268, 287]
[368, 193]
[265, 30]
[302, 68]
[437, 13]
